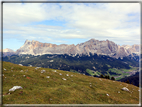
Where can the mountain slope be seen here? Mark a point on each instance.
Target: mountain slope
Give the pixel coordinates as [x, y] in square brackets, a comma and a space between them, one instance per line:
[49, 87]
[99, 64]
[92, 46]
[134, 79]
[7, 52]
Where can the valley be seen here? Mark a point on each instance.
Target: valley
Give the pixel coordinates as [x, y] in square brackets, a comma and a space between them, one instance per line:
[92, 65]
[71, 74]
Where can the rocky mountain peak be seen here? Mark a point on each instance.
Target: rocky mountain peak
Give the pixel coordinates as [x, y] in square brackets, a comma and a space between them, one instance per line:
[93, 46]
[27, 41]
[7, 50]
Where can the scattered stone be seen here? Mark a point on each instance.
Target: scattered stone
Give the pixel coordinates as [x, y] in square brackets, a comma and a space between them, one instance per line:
[71, 75]
[90, 85]
[37, 68]
[4, 69]
[118, 91]
[125, 89]
[20, 64]
[107, 94]
[15, 88]
[64, 79]
[47, 76]
[24, 75]
[54, 70]
[60, 74]
[67, 74]
[21, 71]
[42, 71]
[30, 66]
[100, 79]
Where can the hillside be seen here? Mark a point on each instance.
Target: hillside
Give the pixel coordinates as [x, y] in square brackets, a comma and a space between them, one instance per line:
[50, 86]
[134, 79]
[97, 64]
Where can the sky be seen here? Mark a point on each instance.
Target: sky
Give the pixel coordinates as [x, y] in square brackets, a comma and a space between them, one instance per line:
[70, 23]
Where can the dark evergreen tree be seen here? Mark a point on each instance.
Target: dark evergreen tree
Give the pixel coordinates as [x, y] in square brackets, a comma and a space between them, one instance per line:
[127, 81]
[107, 77]
[112, 78]
[95, 75]
[101, 76]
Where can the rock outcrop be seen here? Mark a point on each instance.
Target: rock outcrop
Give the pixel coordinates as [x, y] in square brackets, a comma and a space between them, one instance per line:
[92, 46]
[8, 52]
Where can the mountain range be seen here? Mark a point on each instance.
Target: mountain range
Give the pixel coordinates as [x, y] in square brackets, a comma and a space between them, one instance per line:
[91, 58]
[92, 46]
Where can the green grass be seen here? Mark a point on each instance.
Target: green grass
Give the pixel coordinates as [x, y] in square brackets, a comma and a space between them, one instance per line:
[122, 72]
[54, 90]
[91, 72]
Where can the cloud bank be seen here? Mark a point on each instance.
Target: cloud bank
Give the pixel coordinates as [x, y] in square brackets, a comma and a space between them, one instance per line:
[72, 22]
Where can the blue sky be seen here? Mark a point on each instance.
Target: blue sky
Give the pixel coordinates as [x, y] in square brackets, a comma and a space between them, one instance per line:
[70, 23]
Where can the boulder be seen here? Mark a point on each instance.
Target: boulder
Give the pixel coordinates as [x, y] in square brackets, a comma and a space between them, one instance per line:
[15, 88]
[125, 89]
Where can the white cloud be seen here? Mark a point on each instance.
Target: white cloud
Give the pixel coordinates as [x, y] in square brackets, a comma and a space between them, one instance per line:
[116, 21]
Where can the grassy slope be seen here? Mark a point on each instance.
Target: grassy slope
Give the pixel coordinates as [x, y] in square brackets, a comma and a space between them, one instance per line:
[54, 90]
[122, 72]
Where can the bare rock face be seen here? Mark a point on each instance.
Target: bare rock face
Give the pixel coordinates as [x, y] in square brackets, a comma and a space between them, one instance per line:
[8, 52]
[92, 46]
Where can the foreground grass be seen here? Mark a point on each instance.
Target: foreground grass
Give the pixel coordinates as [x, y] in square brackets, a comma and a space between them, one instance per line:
[76, 89]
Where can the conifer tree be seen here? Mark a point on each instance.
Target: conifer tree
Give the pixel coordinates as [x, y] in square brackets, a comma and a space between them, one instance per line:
[101, 76]
[127, 81]
[112, 78]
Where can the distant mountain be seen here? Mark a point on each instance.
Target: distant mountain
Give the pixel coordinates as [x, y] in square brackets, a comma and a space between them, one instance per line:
[8, 52]
[92, 46]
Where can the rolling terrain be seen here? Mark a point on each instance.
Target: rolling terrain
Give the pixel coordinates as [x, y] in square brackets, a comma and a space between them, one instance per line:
[52, 86]
[89, 65]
